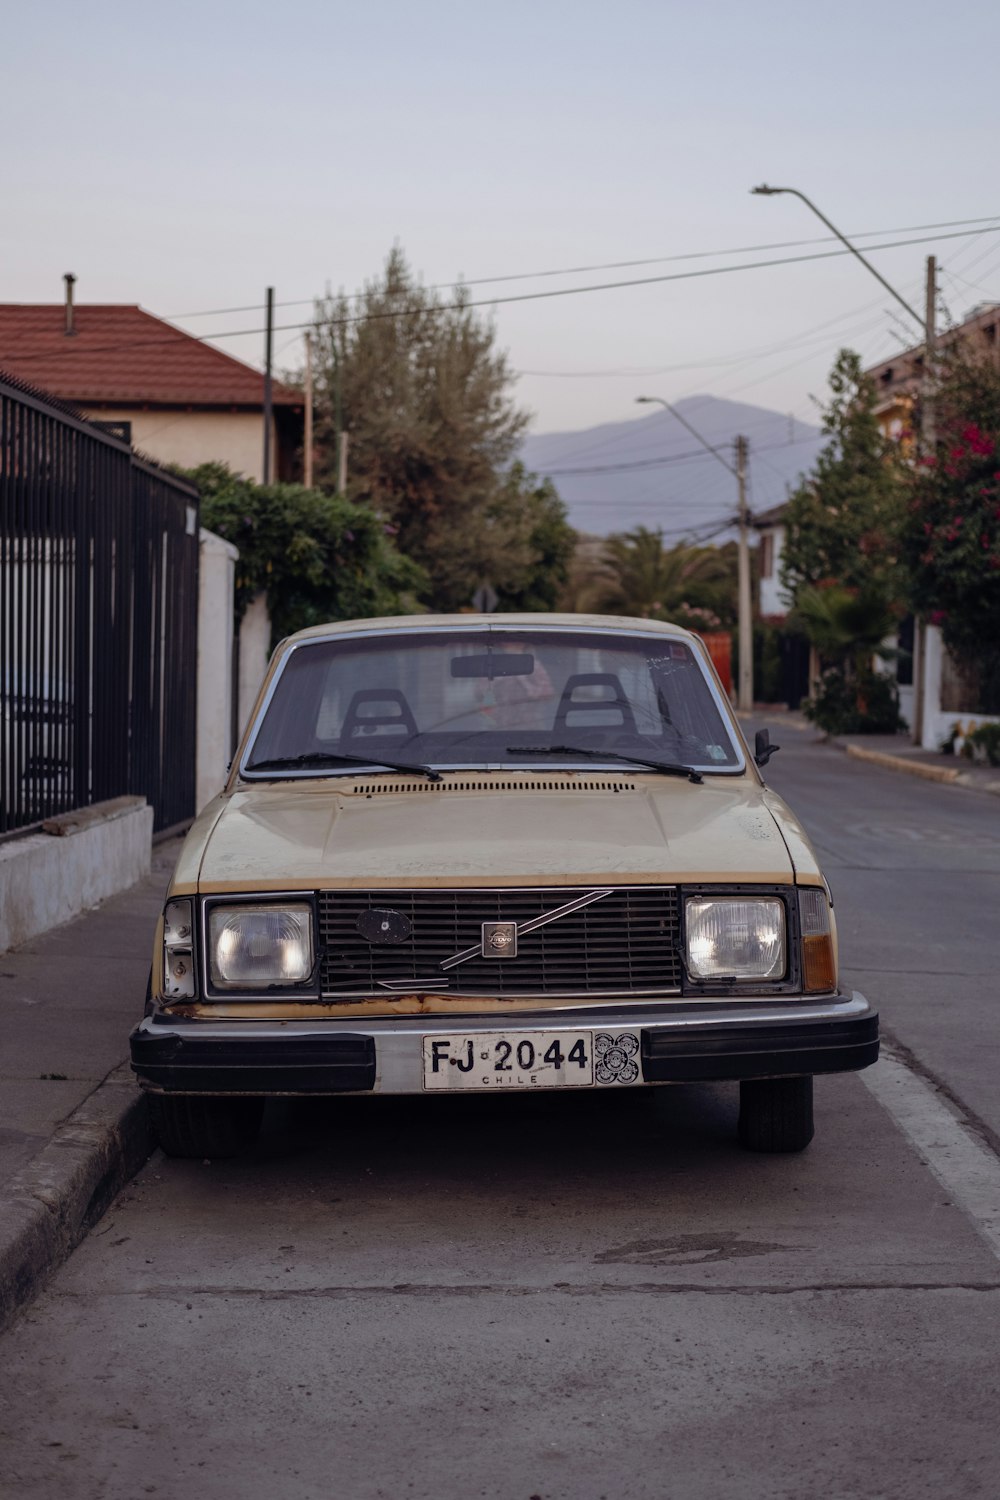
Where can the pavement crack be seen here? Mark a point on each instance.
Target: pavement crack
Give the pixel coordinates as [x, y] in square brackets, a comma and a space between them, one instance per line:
[499, 1289]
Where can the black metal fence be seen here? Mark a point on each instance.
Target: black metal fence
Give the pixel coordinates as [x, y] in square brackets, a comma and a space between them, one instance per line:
[98, 620]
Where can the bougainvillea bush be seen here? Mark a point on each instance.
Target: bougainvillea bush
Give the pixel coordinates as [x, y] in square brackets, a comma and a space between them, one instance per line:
[952, 531]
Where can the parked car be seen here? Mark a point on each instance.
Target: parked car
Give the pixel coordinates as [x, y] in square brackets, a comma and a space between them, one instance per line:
[491, 853]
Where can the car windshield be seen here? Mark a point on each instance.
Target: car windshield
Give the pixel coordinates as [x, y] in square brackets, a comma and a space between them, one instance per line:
[461, 698]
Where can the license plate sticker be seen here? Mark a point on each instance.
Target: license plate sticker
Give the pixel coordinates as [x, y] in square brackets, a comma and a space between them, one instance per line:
[509, 1060]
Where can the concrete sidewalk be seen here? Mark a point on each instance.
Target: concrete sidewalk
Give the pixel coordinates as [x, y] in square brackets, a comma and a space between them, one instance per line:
[895, 752]
[72, 1122]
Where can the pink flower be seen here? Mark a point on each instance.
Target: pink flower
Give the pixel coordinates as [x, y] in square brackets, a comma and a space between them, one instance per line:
[977, 441]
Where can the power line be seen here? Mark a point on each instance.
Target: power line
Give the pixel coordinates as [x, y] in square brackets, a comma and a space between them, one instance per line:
[628, 435]
[815, 334]
[610, 265]
[630, 465]
[573, 291]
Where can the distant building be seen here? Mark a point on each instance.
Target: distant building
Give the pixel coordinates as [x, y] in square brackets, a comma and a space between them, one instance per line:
[770, 526]
[786, 681]
[172, 396]
[897, 380]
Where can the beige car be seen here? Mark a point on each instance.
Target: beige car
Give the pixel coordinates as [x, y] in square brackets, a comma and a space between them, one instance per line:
[482, 853]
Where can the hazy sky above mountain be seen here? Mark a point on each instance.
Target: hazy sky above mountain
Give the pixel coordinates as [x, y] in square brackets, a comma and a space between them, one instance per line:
[185, 156]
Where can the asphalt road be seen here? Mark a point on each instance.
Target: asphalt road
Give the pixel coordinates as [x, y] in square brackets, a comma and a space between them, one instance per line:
[568, 1296]
[914, 867]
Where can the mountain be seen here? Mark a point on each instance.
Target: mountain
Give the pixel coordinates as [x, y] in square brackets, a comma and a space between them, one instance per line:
[651, 471]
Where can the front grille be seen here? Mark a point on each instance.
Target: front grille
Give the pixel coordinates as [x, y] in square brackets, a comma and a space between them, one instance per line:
[625, 943]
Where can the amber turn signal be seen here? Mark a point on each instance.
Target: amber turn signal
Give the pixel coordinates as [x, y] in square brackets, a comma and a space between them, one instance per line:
[819, 968]
[819, 952]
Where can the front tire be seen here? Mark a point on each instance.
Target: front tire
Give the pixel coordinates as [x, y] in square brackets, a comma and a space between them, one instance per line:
[200, 1125]
[776, 1114]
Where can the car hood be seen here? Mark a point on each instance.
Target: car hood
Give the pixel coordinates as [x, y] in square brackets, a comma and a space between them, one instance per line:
[483, 829]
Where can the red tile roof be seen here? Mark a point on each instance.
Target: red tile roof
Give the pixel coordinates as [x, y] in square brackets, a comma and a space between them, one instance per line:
[121, 355]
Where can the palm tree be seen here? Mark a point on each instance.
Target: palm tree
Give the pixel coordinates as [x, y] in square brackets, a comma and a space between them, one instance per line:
[847, 626]
[644, 578]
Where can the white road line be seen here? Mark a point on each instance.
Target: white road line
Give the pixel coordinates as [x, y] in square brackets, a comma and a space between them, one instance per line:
[961, 1163]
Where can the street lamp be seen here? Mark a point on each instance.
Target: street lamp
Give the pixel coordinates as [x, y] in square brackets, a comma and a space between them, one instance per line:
[744, 691]
[770, 192]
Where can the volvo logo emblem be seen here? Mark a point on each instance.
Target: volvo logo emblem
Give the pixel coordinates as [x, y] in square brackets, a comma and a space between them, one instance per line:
[499, 940]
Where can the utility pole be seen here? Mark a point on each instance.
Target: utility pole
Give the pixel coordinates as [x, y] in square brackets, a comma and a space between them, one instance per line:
[744, 695]
[928, 443]
[268, 394]
[338, 417]
[928, 423]
[307, 435]
[341, 463]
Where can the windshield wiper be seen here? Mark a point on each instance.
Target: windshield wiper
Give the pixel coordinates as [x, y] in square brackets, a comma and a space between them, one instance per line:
[668, 768]
[328, 758]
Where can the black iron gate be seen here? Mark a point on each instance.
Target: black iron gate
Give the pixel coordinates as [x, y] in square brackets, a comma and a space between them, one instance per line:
[98, 620]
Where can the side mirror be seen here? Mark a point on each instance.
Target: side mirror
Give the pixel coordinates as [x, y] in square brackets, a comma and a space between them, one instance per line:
[762, 747]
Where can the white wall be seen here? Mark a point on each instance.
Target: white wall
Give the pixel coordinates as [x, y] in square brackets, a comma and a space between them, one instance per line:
[45, 880]
[255, 653]
[773, 599]
[190, 438]
[216, 586]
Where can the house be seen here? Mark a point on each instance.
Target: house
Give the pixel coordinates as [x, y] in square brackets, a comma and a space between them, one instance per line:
[897, 380]
[786, 680]
[172, 396]
[770, 526]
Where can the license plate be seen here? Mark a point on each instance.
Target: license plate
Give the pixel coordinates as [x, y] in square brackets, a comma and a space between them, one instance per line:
[509, 1060]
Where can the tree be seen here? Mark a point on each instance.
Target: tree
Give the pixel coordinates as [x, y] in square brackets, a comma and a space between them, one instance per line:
[952, 530]
[424, 396]
[694, 586]
[531, 509]
[843, 523]
[842, 559]
[317, 557]
[848, 628]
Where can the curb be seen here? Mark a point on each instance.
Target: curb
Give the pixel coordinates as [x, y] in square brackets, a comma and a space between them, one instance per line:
[49, 1205]
[900, 763]
[778, 721]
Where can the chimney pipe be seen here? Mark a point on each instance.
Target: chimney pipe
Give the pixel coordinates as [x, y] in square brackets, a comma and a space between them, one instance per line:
[69, 279]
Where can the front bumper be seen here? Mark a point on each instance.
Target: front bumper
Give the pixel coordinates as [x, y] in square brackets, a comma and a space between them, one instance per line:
[836, 1034]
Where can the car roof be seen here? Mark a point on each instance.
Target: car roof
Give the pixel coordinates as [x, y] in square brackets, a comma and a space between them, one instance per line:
[465, 622]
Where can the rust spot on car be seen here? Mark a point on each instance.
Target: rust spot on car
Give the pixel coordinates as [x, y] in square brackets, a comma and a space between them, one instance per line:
[371, 1007]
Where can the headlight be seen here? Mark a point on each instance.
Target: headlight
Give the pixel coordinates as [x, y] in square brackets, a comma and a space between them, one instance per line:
[735, 937]
[252, 947]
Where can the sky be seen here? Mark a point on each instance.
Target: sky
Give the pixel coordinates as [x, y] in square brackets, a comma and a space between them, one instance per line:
[186, 156]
